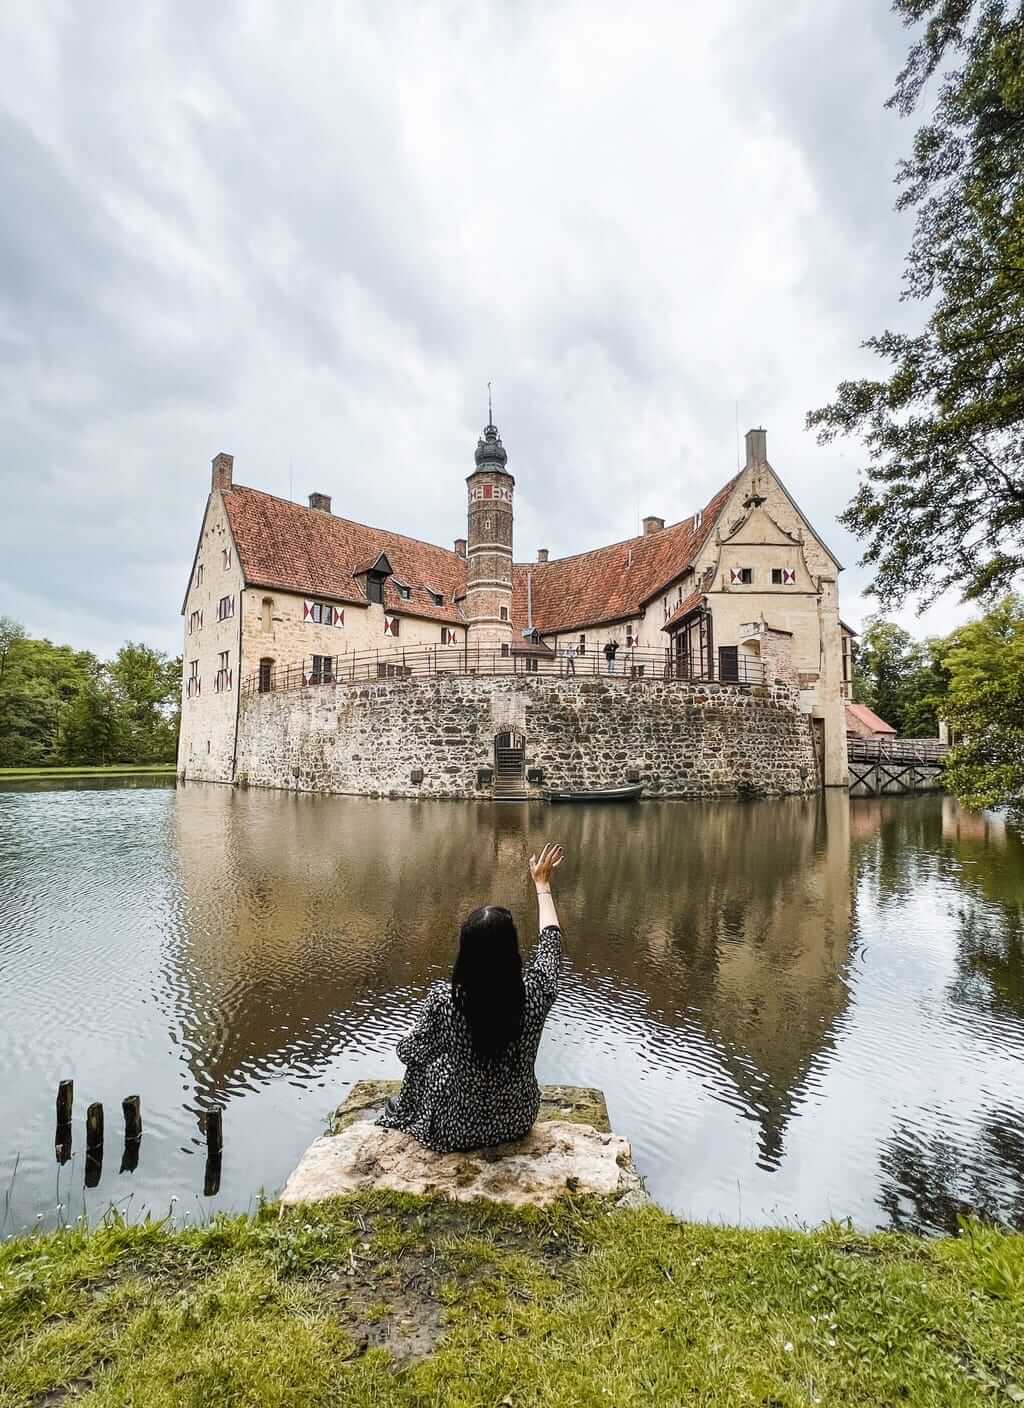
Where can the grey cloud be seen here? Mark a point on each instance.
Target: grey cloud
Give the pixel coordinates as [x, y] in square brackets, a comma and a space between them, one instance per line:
[311, 237]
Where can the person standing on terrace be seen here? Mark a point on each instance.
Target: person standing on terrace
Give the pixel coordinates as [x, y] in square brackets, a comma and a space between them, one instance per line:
[469, 1080]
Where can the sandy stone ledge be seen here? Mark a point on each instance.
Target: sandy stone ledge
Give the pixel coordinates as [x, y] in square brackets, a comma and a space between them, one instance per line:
[558, 1156]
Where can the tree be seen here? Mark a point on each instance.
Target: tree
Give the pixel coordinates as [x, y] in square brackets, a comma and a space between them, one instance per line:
[901, 679]
[90, 729]
[941, 502]
[147, 686]
[11, 632]
[985, 708]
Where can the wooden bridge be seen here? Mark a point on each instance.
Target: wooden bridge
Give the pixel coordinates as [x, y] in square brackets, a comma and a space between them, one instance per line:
[891, 766]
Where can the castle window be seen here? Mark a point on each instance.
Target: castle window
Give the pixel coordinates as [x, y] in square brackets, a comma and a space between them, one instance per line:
[225, 608]
[193, 684]
[375, 589]
[404, 592]
[199, 574]
[222, 680]
[504, 613]
[448, 636]
[322, 613]
[783, 576]
[391, 625]
[226, 552]
[195, 622]
[437, 598]
[741, 576]
[267, 613]
[266, 675]
[583, 646]
[504, 648]
[323, 670]
[531, 664]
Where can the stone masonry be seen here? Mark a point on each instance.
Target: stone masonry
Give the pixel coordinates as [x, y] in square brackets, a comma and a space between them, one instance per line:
[430, 736]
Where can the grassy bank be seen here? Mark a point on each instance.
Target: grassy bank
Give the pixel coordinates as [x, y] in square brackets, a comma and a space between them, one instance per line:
[389, 1300]
[112, 770]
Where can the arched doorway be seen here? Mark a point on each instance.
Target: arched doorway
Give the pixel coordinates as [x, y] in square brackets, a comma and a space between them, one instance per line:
[509, 766]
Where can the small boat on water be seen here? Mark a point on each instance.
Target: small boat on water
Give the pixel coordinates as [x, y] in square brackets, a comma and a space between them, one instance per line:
[601, 794]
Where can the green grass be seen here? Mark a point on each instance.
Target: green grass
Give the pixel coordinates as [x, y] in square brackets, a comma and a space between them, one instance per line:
[111, 770]
[389, 1300]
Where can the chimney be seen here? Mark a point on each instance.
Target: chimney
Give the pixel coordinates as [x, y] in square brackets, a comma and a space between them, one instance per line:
[653, 525]
[460, 547]
[542, 554]
[757, 448]
[320, 501]
[223, 468]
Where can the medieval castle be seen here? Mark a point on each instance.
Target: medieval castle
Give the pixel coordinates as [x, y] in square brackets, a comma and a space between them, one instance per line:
[705, 657]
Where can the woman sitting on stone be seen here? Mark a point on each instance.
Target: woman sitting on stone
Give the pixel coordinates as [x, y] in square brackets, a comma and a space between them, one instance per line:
[469, 1079]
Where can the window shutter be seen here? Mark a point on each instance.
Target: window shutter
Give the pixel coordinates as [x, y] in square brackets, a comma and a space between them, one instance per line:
[339, 616]
[735, 576]
[789, 576]
[307, 610]
[390, 625]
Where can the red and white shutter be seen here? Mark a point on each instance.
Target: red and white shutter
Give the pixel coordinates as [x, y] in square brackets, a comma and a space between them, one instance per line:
[339, 616]
[789, 576]
[390, 625]
[736, 576]
[307, 610]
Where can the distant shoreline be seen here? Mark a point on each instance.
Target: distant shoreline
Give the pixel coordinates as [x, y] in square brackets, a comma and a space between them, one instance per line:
[111, 770]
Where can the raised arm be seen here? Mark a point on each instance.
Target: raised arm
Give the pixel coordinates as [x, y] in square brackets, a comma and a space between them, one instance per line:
[542, 869]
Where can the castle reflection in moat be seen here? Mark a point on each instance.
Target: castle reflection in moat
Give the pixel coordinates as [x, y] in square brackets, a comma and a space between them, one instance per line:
[307, 921]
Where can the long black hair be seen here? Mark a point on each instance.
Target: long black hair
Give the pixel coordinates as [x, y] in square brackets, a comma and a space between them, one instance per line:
[487, 981]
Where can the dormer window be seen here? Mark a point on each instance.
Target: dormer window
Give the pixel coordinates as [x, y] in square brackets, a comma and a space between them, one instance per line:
[437, 598]
[372, 578]
[404, 592]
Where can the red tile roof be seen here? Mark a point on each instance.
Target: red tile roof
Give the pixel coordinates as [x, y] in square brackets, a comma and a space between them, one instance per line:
[298, 549]
[612, 583]
[293, 548]
[684, 608]
[868, 718]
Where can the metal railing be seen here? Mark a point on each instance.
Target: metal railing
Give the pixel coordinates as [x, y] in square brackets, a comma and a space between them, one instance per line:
[893, 750]
[405, 662]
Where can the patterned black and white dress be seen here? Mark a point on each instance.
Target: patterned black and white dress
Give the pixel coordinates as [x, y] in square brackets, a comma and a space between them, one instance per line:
[449, 1100]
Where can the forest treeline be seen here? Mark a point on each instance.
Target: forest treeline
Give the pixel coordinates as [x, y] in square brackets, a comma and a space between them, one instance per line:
[61, 706]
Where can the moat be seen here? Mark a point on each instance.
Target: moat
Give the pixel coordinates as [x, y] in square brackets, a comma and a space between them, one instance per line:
[798, 1009]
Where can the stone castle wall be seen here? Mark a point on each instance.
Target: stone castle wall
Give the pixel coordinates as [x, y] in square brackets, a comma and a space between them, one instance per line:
[683, 740]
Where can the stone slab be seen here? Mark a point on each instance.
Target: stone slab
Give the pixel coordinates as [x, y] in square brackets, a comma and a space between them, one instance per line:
[576, 1104]
[569, 1150]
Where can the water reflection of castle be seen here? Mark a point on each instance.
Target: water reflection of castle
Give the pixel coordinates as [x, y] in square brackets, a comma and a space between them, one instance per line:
[306, 921]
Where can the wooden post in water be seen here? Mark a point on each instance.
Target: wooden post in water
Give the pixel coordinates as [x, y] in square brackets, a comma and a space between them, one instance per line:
[62, 1139]
[131, 1106]
[93, 1144]
[214, 1147]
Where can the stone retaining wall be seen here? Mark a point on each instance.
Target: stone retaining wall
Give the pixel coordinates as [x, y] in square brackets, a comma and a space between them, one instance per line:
[683, 740]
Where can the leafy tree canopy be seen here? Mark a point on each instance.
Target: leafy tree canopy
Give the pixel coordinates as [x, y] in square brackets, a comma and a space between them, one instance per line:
[985, 707]
[60, 705]
[941, 502]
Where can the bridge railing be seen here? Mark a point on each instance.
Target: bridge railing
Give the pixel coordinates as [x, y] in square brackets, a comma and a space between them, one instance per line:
[884, 750]
[404, 662]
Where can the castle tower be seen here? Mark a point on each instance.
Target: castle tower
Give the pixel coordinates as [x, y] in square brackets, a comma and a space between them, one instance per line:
[488, 605]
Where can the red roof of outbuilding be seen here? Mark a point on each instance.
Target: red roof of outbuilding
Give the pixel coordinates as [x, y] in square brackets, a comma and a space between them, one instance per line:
[869, 718]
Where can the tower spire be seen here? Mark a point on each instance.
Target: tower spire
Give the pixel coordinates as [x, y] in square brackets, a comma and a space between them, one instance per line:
[490, 413]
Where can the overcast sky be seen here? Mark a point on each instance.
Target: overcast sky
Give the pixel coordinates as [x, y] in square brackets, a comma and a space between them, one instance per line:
[310, 234]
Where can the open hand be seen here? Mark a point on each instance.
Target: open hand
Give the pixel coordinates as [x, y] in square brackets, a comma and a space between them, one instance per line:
[542, 867]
